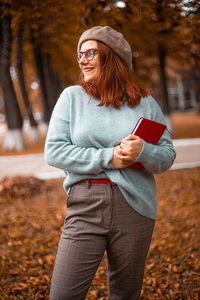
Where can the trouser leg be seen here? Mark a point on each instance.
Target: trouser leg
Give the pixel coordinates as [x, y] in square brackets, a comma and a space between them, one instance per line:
[82, 243]
[127, 248]
[75, 266]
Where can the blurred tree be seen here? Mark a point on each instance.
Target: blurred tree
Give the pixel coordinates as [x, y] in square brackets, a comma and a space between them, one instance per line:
[14, 137]
[37, 50]
[52, 39]
[191, 44]
[0, 38]
[166, 37]
[54, 85]
[20, 72]
[46, 27]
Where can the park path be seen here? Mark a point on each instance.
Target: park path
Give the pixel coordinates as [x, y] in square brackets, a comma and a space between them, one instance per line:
[188, 156]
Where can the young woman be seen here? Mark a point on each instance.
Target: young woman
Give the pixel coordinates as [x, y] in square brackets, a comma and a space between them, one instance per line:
[110, 206]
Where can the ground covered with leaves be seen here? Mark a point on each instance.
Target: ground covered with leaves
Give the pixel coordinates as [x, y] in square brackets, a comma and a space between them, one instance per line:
[32, 213]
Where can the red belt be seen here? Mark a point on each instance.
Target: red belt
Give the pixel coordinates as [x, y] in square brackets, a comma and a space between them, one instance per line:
[97, 181]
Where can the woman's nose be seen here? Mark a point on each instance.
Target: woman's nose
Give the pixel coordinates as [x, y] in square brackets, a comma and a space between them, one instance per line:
[83, 60]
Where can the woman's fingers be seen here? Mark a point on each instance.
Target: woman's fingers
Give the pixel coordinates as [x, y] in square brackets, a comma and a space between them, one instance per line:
[131, 137]
[130, 148]
[123, 157]
[119, 161]
[123, 151]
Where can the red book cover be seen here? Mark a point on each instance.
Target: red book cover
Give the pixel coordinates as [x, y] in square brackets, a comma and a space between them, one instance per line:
[150, 131]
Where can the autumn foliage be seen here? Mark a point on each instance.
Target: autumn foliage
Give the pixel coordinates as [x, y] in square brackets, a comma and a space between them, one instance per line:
[32, 213]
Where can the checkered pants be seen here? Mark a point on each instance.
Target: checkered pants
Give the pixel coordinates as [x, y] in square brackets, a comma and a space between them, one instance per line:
[98, 219]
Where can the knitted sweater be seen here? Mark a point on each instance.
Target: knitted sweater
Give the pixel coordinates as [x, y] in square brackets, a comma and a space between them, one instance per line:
[81, 137]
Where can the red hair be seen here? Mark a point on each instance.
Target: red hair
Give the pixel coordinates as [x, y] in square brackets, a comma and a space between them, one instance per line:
[115, 85]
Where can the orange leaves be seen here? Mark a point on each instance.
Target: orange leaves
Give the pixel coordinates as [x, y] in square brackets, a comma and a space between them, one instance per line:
[174, 254]
[11, 188]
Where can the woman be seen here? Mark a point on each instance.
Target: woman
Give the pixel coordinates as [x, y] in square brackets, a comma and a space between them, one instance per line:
[110, 206]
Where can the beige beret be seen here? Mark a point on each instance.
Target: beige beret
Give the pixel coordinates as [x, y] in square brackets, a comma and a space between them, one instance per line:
[112, 38]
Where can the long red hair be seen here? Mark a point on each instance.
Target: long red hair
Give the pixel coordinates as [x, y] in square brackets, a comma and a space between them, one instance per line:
[115, 85]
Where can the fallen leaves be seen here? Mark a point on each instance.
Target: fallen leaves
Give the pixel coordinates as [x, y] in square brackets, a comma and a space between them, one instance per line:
[32, 213]
[20, 187]
[173, 259]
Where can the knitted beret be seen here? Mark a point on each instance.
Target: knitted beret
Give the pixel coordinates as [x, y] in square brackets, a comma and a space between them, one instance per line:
[112, 38]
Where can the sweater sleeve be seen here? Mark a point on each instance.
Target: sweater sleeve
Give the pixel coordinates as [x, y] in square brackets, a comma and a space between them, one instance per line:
[157, 158]
[60, 151]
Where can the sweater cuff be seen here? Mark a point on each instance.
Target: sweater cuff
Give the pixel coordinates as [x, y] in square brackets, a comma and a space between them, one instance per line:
[143, 156]
[108, 156]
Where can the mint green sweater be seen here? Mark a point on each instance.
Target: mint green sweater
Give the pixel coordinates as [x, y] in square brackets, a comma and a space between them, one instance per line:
[81, 137]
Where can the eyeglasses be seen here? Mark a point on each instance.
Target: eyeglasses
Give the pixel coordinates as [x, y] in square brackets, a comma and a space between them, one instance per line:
[89, 54]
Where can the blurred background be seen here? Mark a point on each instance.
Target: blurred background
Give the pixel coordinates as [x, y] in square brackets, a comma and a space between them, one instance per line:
[38, 57]
[38, 40]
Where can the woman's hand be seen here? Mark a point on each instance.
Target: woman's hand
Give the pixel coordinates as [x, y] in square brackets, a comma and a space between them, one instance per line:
[127, 152]
[117, 162]
[130, 148]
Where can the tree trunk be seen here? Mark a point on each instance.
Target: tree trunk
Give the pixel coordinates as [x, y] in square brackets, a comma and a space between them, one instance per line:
[163, 80]
[20, 72]
[52, 82]
[40, 73]
[163, 87]
[0, 42]
[13, 115]
[196, 79]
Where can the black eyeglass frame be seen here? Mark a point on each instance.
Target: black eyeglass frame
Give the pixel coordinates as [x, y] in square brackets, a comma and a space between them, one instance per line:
[88, 57]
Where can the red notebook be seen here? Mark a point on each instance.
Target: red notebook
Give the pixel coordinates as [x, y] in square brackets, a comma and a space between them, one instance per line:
[150, 131]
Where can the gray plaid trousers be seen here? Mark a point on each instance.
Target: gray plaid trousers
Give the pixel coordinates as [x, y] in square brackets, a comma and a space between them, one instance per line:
[98, 219]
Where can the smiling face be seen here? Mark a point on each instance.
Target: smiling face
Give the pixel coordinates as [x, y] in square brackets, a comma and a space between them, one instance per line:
[90, 68]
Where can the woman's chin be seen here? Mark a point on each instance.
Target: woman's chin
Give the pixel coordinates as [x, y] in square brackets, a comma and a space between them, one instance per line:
[89, 80]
